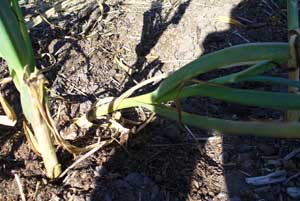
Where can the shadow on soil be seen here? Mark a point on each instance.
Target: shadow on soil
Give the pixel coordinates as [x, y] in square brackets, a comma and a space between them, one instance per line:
[163, 163]
[155, 22]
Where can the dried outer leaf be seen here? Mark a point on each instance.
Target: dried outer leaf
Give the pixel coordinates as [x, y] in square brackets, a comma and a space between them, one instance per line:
[293, 75]
[66, 5]
[101, 8]
[9, 111]
[91, 152]
[30, 137]
[10, 119]
[36, 92]
[43, 122]
[84, 121]
[59, 139]
[118, 127]
[17, 51]
[126, 68]
[5, 80]
[229, 20]
[42, 133]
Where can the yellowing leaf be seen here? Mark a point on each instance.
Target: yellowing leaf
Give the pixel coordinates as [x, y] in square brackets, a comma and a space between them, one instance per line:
[229, 20]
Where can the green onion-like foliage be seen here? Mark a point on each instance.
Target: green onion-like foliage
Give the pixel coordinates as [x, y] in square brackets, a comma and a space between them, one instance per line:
[261, 57]
[16, 50]
[179, 85]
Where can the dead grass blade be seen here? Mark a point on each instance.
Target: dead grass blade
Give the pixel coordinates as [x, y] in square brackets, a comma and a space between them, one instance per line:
[10, 117]
[67, 6]
[19, 184]
[86, 155]
[30, 137]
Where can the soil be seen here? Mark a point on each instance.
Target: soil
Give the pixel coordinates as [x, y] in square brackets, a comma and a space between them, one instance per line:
[163, 162]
